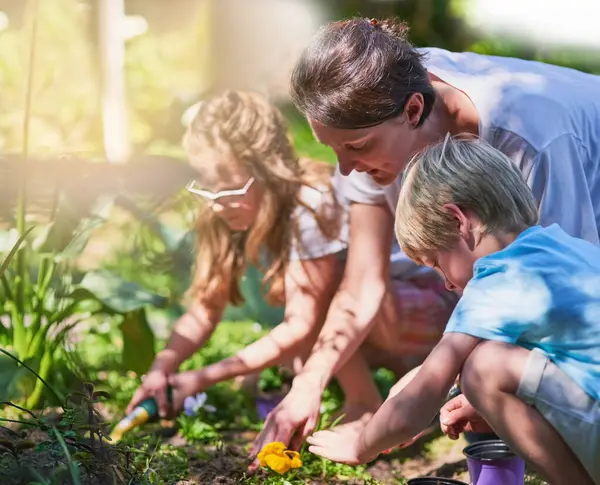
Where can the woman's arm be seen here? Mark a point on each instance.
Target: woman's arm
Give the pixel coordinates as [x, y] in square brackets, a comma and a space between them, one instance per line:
[309, 288]
[356, 305]
[351, 315]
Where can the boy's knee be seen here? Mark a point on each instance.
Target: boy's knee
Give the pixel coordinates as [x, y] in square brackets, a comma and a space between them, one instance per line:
[492, 367]
[476, 371]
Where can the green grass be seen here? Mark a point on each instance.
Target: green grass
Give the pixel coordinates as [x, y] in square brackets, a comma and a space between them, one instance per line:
[235, 411]
[208, 434]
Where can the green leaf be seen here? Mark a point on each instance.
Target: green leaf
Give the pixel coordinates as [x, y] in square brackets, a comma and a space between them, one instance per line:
[138, 342]
[25, 445]
[101, 395]
[72, 226]
[24, 381]
[171, 237]
[16, 381]
[72, 465]
[8, 370]
[43, 446]
[8, 445]
[13, 250]
[117, 295]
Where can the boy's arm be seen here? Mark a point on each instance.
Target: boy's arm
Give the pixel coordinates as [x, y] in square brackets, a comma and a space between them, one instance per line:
[406, 414]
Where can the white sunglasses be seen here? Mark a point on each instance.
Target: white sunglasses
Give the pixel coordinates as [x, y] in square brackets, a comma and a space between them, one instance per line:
[212, 196]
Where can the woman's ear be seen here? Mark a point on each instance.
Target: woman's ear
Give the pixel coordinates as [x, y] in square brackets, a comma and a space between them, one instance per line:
[414, 109]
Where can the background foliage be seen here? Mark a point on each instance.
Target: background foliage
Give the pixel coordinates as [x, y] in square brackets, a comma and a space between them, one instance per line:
[96, 287]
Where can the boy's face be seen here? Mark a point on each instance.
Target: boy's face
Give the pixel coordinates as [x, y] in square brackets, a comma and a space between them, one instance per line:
[456, 263]
[455, 266]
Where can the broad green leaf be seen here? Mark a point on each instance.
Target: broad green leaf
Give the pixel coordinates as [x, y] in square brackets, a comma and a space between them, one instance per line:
[8, 370]
[24, 381]
[117, 295]
[16, 381]
[69, 232]
[171, 237]
[138, 342]
[84, 302]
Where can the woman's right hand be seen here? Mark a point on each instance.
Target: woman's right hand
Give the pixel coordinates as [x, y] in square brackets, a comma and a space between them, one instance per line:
[154, 385]
[292, 421]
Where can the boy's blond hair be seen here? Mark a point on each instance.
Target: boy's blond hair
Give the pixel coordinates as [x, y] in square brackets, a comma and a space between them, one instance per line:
[473, 175]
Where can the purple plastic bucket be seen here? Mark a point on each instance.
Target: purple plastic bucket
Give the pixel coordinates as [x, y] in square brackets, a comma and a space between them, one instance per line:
[493, 463]
[434, 481]
[264, 405]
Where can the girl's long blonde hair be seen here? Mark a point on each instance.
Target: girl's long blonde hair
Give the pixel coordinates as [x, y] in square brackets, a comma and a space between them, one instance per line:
[247, 128]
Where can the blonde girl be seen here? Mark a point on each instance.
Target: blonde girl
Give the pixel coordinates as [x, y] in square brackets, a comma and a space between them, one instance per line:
[259, 204]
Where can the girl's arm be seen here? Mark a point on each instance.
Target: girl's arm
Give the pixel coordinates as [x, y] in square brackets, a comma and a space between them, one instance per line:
[191, 331]
[310, 286]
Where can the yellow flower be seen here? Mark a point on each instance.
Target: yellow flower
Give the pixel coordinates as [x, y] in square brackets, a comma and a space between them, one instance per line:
[276, 448]
[278, 458]
[295, 461]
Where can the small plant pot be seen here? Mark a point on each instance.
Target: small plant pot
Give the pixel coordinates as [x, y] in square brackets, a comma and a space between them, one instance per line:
[434, 481]
[493, 463]
[472, 437]
[266, 403]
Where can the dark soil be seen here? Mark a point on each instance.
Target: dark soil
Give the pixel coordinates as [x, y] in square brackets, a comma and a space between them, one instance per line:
[432, 456]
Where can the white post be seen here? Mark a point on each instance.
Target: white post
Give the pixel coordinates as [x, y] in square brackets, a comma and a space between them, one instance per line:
[111, 45]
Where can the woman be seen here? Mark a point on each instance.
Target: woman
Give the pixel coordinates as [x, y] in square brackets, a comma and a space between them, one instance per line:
[258, 204]
[376, 100]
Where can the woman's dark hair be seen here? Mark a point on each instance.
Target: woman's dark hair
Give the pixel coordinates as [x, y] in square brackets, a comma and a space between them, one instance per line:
[358, 73]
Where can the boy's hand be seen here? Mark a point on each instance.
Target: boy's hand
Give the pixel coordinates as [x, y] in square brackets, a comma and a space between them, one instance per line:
[458, 416]
[340, 445]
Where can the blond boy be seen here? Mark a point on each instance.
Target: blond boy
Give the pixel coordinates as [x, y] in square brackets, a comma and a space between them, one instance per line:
[525, 335]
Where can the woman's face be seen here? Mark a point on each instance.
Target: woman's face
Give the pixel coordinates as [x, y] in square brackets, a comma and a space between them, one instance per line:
[382, 150]
[229, 190]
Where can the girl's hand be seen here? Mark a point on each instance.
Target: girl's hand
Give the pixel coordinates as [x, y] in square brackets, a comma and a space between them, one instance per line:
[154, 385]
[291, 421]
[185, 384]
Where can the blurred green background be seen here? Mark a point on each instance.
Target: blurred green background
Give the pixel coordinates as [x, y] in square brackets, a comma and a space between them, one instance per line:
[94, 96]
[117, 76]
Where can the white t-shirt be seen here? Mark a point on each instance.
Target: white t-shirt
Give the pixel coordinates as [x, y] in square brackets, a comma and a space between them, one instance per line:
[311, 242]
[543, 117]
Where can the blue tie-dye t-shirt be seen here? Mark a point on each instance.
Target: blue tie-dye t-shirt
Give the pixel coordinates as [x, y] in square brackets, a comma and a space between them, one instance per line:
[542, 291]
